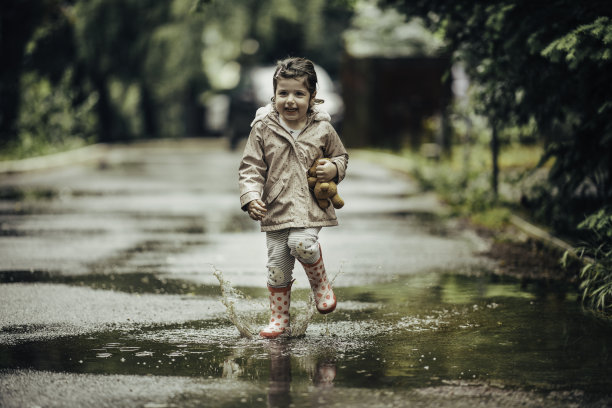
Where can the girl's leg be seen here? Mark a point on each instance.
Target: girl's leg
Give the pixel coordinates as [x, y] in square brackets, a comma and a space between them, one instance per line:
[280, 261]
[303, 244]
[305, 247]
[280, 269]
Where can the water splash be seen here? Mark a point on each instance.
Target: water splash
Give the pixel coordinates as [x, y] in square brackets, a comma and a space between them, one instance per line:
[302, 319]
[229, 296]
[301, 316]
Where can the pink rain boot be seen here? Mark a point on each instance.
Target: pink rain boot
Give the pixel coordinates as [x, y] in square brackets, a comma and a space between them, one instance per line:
[320, 285]
[280, 300]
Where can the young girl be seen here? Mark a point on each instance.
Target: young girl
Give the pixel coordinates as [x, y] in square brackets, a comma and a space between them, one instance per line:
[285, 140]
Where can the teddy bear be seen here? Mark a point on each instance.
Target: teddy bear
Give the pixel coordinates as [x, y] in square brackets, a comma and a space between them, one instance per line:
[323, 192]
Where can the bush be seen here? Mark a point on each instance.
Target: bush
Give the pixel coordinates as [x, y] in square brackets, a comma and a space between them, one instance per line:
[596, 275]
[49, 120]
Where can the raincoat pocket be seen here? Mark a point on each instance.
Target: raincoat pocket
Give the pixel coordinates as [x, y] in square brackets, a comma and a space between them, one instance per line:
[274, 191]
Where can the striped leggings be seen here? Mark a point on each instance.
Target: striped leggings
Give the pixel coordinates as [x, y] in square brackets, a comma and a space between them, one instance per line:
[284, 247]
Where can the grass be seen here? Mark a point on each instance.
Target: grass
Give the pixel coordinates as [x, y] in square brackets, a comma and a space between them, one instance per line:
[463, 179]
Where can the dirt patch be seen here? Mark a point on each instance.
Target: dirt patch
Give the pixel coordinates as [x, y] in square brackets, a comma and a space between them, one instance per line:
[528, 259]
[531, 260]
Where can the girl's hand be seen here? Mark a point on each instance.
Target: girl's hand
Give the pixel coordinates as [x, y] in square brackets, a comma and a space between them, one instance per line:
[257, 210]
[326, 171]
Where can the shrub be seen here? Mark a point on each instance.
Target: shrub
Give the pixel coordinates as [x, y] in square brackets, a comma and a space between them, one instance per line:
[49, 119]
[596, 275]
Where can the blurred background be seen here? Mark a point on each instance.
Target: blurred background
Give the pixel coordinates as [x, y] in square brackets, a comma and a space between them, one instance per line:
[502, 106]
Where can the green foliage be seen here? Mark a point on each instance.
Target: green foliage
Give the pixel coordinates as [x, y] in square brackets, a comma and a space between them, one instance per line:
[465, 193]
[112, 39]
[548, 64]
[462, 182]
[197, 6]
[21, 21]
[596, 275]
[494, 218]
[149, 64]
[583, 44]
[376, 32]
[462, 179]
[49, 121]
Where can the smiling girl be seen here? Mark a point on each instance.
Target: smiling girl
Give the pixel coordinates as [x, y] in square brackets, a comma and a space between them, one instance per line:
[285, 140]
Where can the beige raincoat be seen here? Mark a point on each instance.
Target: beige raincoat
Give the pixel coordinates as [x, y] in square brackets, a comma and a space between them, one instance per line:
[274, 167]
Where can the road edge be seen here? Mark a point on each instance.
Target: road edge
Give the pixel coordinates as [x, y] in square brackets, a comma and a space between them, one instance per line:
[405, 165]
[81, 155]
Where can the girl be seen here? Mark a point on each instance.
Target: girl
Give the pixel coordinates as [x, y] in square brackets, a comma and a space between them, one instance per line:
[285, 140]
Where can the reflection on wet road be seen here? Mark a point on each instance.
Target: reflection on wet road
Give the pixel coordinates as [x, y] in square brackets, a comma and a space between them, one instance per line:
[415, 334]
[128, 312]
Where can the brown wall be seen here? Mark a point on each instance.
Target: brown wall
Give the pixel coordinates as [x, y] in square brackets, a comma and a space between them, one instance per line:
[386, 100]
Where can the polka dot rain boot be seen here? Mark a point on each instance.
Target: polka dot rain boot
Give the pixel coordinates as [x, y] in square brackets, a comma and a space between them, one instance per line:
[280, 300]
[320, 285]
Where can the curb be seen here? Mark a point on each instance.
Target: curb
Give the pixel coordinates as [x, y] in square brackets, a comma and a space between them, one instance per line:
[547, 238]
[81, 155]
[101, 151]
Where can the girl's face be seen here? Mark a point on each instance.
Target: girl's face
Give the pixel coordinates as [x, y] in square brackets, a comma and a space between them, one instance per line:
[292, 100]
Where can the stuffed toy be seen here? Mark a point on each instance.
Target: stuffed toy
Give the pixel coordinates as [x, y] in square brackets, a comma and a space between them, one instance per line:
[323, 192]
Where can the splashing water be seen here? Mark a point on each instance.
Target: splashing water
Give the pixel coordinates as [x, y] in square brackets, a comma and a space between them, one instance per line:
[245, 324]
[229, 295]
[302, 319]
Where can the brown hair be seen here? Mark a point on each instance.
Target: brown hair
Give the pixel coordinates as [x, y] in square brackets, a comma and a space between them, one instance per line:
[295, 67]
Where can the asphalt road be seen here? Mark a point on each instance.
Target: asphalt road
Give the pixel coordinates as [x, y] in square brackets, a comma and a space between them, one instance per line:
[107, 263]
[171, 210]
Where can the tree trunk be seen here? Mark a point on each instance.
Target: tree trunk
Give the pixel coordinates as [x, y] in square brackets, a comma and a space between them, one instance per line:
[104, 109]
[494, 160]
[147, 104]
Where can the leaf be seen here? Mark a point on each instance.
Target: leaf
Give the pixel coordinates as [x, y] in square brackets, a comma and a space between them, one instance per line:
[585, 269]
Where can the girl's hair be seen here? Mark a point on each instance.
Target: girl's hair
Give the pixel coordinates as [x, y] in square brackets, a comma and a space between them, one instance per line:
[295, 67]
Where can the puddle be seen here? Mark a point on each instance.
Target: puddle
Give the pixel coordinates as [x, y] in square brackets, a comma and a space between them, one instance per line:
[424, 337]
[399, 337]
[136, 282]
[247, 325]
[14, 193]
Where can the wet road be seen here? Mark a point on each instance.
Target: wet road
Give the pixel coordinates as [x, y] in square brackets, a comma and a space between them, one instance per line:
[108, 297]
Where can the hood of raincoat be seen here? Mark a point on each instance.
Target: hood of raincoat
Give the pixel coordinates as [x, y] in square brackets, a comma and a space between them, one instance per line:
[316, 114]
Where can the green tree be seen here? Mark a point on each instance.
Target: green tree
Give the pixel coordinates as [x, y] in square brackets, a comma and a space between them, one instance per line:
[112, 39]
[549, 62]
[19, 20]
[143, 67]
